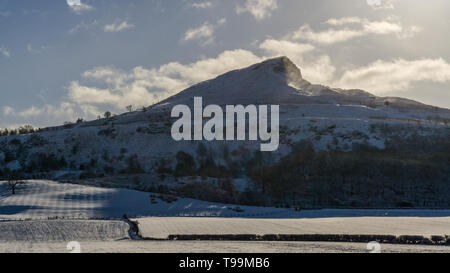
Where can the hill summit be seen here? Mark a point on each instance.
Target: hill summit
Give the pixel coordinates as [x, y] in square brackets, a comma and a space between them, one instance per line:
[275, 80]
[280, 81]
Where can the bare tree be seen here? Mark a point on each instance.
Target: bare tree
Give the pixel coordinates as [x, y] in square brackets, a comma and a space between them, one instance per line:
[130, 108]
[14, 182]
[107, 114]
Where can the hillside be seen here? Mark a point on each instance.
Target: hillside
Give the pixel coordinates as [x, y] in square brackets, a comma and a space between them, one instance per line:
[135, 150]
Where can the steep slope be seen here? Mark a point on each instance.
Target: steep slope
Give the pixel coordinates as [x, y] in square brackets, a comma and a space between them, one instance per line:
[275, 81]
[267, 82]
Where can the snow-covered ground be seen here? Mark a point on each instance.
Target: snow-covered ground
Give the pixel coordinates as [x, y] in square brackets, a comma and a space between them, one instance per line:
[41, 200]
[214, 247]
[162, 228]
[62, 231]
[25, 224]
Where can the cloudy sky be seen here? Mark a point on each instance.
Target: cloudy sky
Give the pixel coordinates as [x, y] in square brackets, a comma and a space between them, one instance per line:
[60, 60]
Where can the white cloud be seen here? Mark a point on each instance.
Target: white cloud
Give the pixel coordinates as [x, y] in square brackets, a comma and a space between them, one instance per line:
[410, 32]
[202, 5]
[38, 50]
[383, 77]
[78, 7]
[344, 21]
[381, 4]
[143, 87]
[30, 48]
[5, 52]
[381, 27]
[260, 9]
[83, 26]
[325, 37]
[364, 28]
[319, 69]
[278, 47]
[30, 112]
[204, 33]
[7, 110]
[47, 115]
[117, 27]
[92, 95]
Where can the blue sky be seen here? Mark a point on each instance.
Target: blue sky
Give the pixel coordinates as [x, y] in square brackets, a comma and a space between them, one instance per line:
[62, 60]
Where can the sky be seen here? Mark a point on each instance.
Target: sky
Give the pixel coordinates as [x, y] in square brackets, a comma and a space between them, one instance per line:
[66, 59]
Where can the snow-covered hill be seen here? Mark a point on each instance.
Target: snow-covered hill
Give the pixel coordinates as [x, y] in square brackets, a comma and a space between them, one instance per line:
[280, 81]
[140, 142]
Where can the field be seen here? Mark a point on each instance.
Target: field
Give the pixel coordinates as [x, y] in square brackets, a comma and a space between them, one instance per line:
[162, 228]
[127, 246]
[42, 200]
[44, 216]
[62, 231]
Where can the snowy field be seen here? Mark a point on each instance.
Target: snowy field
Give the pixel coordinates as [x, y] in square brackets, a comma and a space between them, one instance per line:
[42, 200]
[62, 231]
[214, 247]
[162, 228]
[44, 215]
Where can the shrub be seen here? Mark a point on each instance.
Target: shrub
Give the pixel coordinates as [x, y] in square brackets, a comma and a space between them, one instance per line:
[204, 191]
[36, 140]
[185, 166]
[15, 142]
[109, 132]
[46, 162]
[163, 167]
[133, 165]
